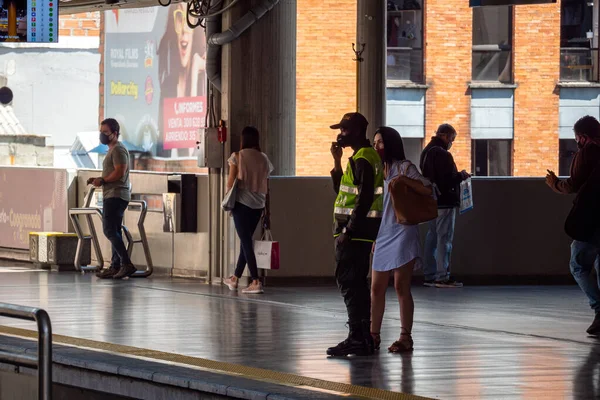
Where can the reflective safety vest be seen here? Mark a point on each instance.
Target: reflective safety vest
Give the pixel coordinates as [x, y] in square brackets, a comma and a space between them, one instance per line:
[346, 199]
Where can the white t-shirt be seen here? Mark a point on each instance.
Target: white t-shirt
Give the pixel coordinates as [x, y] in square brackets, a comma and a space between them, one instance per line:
[256, 201]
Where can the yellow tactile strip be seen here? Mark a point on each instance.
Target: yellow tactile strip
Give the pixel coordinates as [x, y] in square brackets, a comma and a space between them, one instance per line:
[260, 374]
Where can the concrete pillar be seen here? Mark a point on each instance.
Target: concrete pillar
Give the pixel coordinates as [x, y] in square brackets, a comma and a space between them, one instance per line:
[371, 30]
[258, 76]
[259, 82]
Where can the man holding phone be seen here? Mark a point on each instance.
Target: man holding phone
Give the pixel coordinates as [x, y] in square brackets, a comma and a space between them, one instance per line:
[437, 165]
[357, 210]
[583, 223]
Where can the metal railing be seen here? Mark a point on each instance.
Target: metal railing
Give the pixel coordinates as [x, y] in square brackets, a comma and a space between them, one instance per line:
[89, 212]
[43, 361]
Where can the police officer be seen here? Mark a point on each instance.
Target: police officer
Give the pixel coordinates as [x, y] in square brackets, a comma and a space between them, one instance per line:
[357, 210]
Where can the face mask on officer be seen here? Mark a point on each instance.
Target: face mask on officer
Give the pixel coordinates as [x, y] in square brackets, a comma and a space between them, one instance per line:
[346, 138]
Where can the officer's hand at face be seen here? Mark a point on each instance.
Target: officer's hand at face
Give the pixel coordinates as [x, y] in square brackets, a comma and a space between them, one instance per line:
[337, 152]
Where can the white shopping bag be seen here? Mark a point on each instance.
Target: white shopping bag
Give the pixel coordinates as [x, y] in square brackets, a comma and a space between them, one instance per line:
[267, 251]
[466, 196]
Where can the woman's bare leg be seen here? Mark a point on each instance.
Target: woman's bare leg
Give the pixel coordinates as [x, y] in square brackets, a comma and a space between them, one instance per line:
[379, 284]
[402, 281]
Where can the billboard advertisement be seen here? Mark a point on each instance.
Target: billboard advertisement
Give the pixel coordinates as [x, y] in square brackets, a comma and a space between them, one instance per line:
[155, 78]
[31, 200]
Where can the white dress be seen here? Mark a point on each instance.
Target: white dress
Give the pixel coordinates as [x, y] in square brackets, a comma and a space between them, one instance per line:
[397, 244]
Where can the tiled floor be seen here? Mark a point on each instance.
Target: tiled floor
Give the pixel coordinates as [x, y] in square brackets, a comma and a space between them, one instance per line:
[470, 343]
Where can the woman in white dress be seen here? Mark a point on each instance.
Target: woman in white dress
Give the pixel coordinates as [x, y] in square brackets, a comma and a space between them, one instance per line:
[397, 251]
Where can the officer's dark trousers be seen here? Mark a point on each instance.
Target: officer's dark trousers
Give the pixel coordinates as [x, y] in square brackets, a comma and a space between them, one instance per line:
[352, 268]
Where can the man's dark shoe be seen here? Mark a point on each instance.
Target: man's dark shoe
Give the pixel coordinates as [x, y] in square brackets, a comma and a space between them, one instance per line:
[351, 347]
[107, 273]
[357, 343]
[594, 328]
[125, 272]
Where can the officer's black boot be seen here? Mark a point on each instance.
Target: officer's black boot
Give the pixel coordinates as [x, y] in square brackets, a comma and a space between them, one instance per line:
[366, 331]
[356, 344]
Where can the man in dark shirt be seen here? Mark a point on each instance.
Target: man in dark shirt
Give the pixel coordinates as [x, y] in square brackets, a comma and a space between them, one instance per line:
[584, 175]
[437, 165]
[357, 210]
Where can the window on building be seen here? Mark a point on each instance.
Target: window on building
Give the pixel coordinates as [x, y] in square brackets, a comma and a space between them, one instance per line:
[412, 149]
[566, 152]
[405, 40]
[578, 43]
[492, 157]
[492, 44]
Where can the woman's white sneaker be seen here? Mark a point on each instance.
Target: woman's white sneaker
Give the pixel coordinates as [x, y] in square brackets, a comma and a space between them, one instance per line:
[231, 282]
[254, 288]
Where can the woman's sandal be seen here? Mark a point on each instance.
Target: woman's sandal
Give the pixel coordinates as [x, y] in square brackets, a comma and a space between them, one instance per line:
[376, 340]
[403, 345]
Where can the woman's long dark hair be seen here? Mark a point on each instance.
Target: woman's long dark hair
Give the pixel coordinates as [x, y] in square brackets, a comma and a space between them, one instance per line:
[250, 138]
[392, 143]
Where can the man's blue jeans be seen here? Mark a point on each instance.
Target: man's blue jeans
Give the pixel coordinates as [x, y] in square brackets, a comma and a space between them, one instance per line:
[438, 245]
[584, 258]
[112, 220]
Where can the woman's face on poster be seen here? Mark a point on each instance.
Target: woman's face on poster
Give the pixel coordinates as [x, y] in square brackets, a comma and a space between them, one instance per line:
[185, 35]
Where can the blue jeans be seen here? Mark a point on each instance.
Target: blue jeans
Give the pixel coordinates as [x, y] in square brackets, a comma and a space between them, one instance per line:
[112, 221]
[438, 245]
[584, 258]
[246, 220]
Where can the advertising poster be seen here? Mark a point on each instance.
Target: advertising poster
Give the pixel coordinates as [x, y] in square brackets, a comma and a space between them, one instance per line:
[31, 200]
[155, 79]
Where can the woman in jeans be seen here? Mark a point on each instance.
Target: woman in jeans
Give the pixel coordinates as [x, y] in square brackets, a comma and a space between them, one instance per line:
[252, 168]
[397, 251]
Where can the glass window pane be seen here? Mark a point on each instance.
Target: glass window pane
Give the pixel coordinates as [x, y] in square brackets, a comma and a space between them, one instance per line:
[578, 64]
[566, 153]
[406, 65]
[492, 66]
[404, 29]
[405, 40]
[499, 157]
[412, 149]
[578, 55]
[480, 155]
[492, 157]
[492, 25]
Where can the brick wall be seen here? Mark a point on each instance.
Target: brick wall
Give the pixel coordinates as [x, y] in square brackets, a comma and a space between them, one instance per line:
[536, 71]
[85, 24]
[326, 79]
[448, 38]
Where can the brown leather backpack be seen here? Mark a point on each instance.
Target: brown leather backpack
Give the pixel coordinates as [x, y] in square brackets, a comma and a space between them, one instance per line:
[413, 202]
